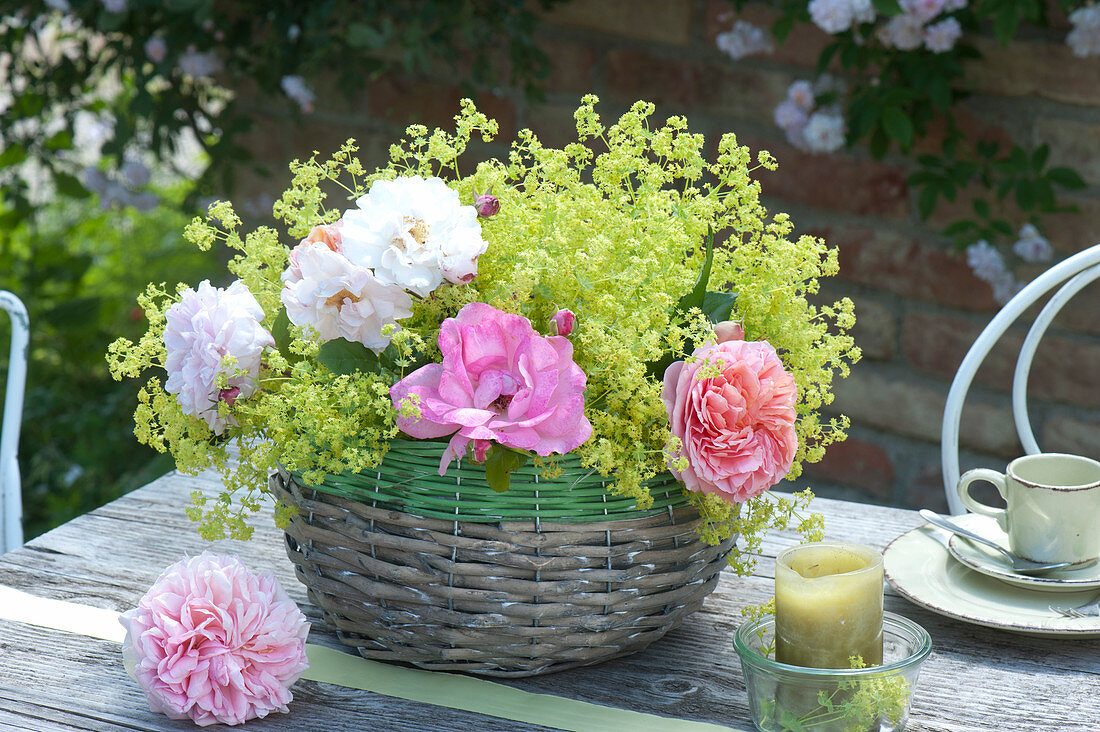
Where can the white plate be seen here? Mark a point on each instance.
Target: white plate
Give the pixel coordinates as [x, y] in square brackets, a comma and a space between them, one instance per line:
[986, 561]
[920, 567]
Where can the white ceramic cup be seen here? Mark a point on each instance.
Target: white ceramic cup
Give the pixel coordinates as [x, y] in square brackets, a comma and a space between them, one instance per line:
[1053, 512]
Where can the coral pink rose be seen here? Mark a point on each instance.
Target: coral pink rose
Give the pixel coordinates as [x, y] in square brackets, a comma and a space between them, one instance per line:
[736, 428]
[213, 642]
[500, 381]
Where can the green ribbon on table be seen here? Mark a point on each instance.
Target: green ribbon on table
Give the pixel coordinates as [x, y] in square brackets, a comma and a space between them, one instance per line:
[329, 666]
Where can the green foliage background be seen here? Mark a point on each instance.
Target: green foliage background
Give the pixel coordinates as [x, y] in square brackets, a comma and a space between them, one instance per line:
[77, 267]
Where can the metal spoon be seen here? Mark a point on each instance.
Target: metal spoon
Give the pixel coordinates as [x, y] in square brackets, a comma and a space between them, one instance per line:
[1019, 564]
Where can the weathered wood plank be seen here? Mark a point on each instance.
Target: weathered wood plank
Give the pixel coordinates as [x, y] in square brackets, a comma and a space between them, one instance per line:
[977, 678]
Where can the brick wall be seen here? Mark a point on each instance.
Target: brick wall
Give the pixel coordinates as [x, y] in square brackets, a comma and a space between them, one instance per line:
[918, 305]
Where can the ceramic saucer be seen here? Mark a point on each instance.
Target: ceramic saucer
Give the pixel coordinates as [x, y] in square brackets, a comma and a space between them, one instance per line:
[919, 565]
[987, 561]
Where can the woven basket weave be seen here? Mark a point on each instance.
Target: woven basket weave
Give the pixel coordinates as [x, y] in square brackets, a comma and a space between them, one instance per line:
[446, 574]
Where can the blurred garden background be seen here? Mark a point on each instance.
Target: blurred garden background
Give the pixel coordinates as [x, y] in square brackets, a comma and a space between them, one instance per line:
[949, 149]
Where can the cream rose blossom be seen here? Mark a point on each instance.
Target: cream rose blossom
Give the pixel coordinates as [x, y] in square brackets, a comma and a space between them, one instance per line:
[338, 299]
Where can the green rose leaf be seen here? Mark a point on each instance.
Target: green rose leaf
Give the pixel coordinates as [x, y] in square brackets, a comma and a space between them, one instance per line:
[718, 306]
[694, 299]
[499, 464]
[344, 357]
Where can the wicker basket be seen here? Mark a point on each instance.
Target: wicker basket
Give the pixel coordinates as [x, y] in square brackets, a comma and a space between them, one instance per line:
[446, 574]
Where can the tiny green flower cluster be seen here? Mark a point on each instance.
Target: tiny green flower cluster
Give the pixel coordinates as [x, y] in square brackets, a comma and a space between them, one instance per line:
[612, 227]
[856, 705]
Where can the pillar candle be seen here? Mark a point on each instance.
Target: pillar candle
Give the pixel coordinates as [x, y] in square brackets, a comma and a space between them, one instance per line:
[828, 605]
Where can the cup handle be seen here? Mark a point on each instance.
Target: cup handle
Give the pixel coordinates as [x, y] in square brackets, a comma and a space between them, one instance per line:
[992, 476]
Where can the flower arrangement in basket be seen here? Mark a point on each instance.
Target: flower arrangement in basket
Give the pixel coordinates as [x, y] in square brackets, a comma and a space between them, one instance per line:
[587, 364]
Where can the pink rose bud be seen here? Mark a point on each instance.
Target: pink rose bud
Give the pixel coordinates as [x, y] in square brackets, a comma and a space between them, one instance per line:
[729, 330]
[487, 204]
[229, 396]
[562, 323]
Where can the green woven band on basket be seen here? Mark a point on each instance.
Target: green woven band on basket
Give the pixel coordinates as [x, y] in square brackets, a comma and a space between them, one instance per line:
[408, 480]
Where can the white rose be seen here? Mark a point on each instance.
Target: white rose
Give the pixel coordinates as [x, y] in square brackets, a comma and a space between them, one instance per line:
[413, 233]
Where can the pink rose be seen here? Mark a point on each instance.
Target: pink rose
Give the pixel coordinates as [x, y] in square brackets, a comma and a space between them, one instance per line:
[736, 428]
[562, 323]
[213, 642]
[500, 381]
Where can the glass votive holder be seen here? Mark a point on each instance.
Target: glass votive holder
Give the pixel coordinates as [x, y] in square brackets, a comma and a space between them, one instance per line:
[783, 697]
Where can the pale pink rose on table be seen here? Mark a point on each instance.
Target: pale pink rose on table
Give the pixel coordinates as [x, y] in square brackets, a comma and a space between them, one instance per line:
[500, 381]
[201, 330]
[736, 428]
[212, 642]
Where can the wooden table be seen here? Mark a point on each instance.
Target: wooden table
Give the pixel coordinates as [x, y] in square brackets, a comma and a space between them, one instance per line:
[976, 678]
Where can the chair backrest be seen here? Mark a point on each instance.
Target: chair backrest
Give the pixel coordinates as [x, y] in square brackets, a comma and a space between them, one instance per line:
[1080, 269]
[11, 500]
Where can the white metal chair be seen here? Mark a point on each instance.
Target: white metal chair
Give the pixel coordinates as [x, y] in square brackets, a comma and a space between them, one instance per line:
[11, 500]
[1080, 269]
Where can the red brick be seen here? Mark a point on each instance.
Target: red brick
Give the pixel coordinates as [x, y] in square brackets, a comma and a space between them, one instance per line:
[801, 48]
[856, 463]
[678, 85]
[650, 20]
[572, 66]
[740, 93]
[937, 343]
[900, 406]
[633, 75]
[926, 489]
[876, 329]
[407, 100]
[974, 125]
[268, 137]
[1034, 69]
[1066, 434]
[1073, 143]
[500, 108]
[1070, 233]
[1079, 314]
[890, 262]
[553, 123]
[1064, 369]
[837, 183]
